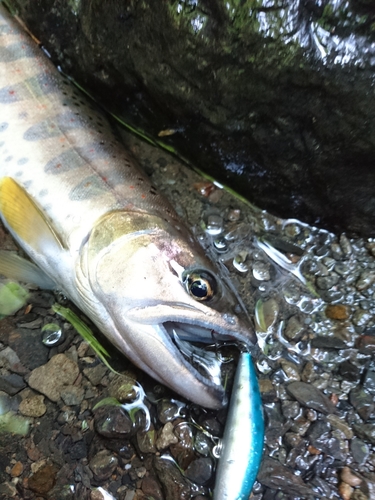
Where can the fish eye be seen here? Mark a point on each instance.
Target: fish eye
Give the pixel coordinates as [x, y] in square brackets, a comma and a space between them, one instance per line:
[201, 285]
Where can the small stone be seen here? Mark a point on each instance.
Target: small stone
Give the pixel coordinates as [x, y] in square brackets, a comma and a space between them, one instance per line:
[122, 388]
[365, 280]
[200, 471]
[291, 370]
[7, 490]
[345, 245]
[17, 469]
[33, 406]
[72, 395]
[327, 282]
[294, 329]
[96, 374]
[8, 357]
[359, 450]
[151, 488]
[43, 480]
[146, 441]
[113, 422]
[365, 431]
[11, 384]
[361, 317]
[310, 396]
[349, 371]
[350, 478]
[51, 378]
[369, 382]
[340, 424]
[337, 311]
[168, 410]
[166, 437]
[362, 401]
[345, 491]
[103, 464]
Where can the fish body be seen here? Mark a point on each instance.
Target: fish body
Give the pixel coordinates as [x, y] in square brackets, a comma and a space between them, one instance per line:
[242, 443]
[90, 219]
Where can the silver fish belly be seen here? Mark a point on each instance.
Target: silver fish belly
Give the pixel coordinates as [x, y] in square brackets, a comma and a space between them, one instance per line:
[90, 219]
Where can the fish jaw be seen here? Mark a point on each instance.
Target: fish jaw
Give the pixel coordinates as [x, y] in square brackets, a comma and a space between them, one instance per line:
[134, 266]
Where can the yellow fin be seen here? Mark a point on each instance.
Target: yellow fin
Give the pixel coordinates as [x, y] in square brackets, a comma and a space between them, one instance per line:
[25, 219]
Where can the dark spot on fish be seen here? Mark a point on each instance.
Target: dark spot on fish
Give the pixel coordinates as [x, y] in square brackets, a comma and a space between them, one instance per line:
[35, 86]
[22, 161]
[15, 51]
[3, 126]
[73, 159]
[43, 192]
[1, 144]
[89, 188]
[8, 158]
[27, 184]
[141, 179]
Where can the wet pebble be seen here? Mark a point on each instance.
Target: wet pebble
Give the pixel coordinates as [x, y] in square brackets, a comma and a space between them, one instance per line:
[166, 436]
[151, 488]
[72, 395]
[200, 471]
[103, 464]
[361, 317]
[337, 311]
[43, 480]
[362, 401]
[310, 396]
[359, 450]
[113, 422]
[146, 440]
[294, 329]
[261, 271]
[365, 431]
[345, 245]
[327, 282]
[278, 477]
[168, 410]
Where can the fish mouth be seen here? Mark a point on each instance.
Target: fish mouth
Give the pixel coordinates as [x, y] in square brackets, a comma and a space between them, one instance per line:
[205, 364]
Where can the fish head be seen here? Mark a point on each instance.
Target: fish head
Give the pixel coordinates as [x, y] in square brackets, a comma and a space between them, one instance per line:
[155, 282]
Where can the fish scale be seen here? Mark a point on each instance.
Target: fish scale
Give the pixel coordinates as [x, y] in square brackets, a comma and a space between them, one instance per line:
[85, 213]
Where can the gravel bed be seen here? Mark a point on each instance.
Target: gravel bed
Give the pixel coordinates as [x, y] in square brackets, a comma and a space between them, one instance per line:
[311, 302]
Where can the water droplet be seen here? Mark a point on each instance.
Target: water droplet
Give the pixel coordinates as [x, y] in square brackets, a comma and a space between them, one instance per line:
[52, 335]
[231, 320]
[214, 225]
[261, 271]
[239, 262]
[221, 245]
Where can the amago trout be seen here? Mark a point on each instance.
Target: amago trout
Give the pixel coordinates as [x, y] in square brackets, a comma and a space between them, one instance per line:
[90, 219]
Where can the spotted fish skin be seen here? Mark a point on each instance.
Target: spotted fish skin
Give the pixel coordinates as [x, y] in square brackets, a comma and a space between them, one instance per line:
[49, 133]
[90, 219]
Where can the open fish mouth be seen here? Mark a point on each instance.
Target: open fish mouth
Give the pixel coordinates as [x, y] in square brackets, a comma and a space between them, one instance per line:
[206, 364]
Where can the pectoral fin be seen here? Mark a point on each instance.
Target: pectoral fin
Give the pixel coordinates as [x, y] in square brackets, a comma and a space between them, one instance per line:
[14, 267]
[25, 220]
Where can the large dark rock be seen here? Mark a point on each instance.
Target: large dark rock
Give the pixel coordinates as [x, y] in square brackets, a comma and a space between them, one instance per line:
[273, 98]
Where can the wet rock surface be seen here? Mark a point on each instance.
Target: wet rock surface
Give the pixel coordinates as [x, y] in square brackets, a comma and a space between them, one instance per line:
[274, 100]
[55, 442]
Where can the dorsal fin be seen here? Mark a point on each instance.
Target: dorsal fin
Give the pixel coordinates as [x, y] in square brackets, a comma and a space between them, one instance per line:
[25, 219]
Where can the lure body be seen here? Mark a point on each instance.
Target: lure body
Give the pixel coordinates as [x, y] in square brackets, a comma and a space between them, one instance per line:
[90, 219]
[242, 444]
